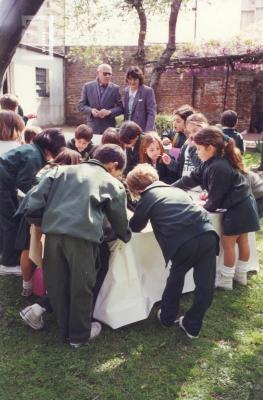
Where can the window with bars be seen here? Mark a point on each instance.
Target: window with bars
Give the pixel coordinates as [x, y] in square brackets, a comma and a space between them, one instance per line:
[42, 82]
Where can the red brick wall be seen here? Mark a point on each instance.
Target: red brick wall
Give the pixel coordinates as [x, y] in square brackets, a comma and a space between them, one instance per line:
[206, 92]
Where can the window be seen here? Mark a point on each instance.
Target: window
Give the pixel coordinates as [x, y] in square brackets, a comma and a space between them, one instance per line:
[42, 82]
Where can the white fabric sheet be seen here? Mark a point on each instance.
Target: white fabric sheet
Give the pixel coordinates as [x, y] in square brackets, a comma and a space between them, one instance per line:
[137, 277]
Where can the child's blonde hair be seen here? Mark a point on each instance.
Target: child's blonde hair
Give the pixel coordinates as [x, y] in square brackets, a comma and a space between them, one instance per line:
[197, 119]
[140, 177]
[11, 125]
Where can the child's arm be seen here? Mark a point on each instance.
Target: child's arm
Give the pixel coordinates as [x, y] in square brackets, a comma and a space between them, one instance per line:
[37, 201]
[140, 217]
[116, 213]
[220, 182]
[191, 181]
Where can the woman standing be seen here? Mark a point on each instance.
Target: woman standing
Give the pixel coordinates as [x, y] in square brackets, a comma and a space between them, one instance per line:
[139, 100]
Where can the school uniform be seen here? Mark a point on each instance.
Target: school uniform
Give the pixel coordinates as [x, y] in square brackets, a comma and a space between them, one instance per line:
[166, 173]
[70, 205]
[133, 156]
[87, 153]
[187, 238]
[227, 189]
[234, 134]
[18, 168]
[177, 138]
[187, 160]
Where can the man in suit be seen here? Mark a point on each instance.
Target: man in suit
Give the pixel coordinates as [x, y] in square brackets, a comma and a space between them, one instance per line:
[139, 100]
[101, 100]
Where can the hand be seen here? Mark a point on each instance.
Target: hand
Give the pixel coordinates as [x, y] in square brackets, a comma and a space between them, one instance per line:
[95, 112]
[166, 159]
[166, 141]
[203, 196]
[30, 116]
[104, 113]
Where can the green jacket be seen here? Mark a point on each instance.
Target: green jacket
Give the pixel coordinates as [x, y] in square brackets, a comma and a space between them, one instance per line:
[19, 166]
[74, 200]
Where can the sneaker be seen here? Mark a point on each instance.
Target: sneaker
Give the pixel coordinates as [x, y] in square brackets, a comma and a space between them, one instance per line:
[16, 270]
[34, 321]
[26, 292]
[241, 278]
[181, 325]
[94, 332]
[224, 282]
[159, 319]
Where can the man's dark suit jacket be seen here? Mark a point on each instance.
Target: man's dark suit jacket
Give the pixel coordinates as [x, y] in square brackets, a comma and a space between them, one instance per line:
[110, 100]
[143, 108]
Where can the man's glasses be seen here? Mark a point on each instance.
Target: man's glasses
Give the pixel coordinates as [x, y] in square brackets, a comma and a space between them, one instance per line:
[106, 73]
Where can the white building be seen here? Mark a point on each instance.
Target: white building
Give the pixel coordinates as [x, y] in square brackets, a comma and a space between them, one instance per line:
[251, 13]
[37, 78]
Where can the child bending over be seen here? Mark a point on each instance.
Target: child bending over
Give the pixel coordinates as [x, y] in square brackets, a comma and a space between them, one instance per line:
[70, 205]
[82, 142]
[222, 174]
[186, 237]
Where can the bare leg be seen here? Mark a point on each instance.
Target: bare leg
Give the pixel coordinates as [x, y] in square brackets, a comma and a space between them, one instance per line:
[243, 247]
[26, 266]
[228, 243]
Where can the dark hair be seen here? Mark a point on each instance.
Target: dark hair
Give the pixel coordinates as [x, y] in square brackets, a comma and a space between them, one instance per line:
[51, 139]
[10, 123]
[111, 135]
[84, 132]
[30, 133]
[8, 102]
[229, 118]
[129, 130]
[135, 73]
[147, 140]
[184, 111]
[224, 145]
[107, 153]
[67, 157]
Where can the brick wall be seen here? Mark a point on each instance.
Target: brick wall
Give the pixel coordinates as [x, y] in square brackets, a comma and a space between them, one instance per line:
[206, 93]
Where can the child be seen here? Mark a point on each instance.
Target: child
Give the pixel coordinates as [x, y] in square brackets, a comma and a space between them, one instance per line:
[186, 237]
[18, 168]
[10, 102]
[152, 152]
[111, 135]
[131, 136]
[65, 157]
[188, 159]
[29, 134]
[70, 205]
[11, 127]
[178, 136]
[222, 175]
[82, 142]
[256, 184]
[229, 122]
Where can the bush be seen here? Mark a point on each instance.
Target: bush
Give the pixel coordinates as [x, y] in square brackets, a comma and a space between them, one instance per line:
[163, 122]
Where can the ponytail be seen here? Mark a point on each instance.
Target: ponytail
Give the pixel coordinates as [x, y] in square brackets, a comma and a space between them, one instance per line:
[225, 146]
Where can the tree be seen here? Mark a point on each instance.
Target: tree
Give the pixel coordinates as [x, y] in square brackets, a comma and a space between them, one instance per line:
[15, 17]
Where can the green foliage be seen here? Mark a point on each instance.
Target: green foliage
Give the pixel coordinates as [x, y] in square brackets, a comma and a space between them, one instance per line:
[163, 122]
[95, 55]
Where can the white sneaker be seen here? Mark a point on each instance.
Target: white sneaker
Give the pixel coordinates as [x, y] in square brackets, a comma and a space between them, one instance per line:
[181, 324]
[224, 282]
[16, 270]
[94, 332]
[29, 316]
[240, 277]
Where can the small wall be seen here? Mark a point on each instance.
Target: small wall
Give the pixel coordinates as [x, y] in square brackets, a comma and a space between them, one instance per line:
[205, 92]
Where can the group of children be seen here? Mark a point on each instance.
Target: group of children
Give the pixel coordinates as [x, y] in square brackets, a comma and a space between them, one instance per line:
[71, 188]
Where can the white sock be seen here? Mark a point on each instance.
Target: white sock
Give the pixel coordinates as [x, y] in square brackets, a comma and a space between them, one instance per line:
[27, 284]
[38, 310]
[227, 271]
[242, 266]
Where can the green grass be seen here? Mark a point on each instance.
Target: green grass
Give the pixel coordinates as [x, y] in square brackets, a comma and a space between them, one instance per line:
[140, 361]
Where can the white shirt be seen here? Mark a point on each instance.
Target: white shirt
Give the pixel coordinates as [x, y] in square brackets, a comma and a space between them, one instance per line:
[6, 145]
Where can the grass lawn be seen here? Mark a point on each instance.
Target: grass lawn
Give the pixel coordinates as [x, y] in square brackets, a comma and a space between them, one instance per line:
[140, 361]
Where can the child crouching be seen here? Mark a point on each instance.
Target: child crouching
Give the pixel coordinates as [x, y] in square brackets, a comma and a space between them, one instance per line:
[186, 237]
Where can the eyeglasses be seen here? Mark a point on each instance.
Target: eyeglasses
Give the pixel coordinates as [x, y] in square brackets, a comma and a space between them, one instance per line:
[106, 73]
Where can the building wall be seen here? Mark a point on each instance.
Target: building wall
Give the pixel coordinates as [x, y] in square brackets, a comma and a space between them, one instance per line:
[49, 110]
[205, 92]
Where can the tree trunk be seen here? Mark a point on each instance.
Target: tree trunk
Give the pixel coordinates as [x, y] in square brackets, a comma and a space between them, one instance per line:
[164, 60]
[15, 16]
[139, 56]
